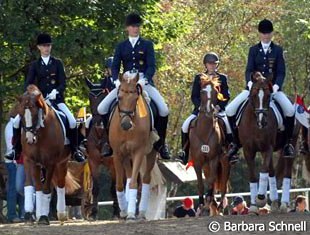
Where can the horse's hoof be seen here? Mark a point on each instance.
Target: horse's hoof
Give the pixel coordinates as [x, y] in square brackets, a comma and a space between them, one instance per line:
[44, 220]
[62, 216]
[261, 200]
[123, 214]
[274, 207]
[284, 207]
[253, 210]
[29, 218]
[141, 216]
[130, 218]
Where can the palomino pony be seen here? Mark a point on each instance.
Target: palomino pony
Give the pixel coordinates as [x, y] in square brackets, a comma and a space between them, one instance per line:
[258, 132]
[206, 147]
[131, 139]
[43, 146]
[95, 136]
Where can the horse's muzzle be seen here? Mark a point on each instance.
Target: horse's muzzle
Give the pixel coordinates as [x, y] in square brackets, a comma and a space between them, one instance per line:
[126, 123]
[31, 138]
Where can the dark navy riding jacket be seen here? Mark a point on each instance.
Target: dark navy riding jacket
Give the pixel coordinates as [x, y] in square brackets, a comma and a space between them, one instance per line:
[140, 57]
[270, 64]
[197, 88]
[47, 77]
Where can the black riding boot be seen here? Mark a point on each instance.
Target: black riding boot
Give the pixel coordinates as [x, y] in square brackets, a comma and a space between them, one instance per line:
[304, 148]
[76, 153]
[106, 150]
[233, 140]
[289, 149]
[160, 145]
[183, 155]
[17, 145]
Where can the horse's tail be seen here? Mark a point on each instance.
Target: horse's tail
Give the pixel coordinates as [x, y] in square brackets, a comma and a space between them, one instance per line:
[71, 183]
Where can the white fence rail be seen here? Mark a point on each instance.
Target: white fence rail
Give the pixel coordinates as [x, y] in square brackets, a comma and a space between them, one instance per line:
[301, 190]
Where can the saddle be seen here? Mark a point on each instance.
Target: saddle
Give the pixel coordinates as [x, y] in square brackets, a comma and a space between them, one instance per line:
[63, 120]
[276, 108]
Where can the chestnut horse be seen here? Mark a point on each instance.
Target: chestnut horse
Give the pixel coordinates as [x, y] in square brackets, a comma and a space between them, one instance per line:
[95, 135]
[43, 146]
[258, 132]
[207, 147]
[132, 141]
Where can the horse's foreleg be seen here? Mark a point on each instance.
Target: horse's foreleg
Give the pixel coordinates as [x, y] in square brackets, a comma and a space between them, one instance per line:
[122, 202]
[286, 185]
[273, 187]
[198, 170]
[263, 177]
[133, 187]
[250, 159]
[145, 192]
[94, 169]
[29, 191]
[46, 196]
[61, 171]
[39, 188]
[128, 173]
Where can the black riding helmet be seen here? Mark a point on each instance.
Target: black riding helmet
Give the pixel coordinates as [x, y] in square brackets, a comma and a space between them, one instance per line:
[133, 19]
[44, 38]
[265, 26]
[211, 57]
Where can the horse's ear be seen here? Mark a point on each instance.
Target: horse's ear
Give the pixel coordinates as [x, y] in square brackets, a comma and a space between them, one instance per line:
[136, 78]
[39, 100]
[121, 77]
[89, 83]
[255, 76]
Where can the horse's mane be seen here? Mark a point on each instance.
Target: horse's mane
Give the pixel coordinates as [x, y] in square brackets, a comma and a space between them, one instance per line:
[206, 79]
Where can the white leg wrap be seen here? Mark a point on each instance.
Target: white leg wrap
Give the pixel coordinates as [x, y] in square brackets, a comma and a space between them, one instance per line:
[263, 183]
[38, 204]
[273, 188]
[45, 204]
[145, 196]
[132, 201]
[253, 190]
[29, 191]
[127, 189]
[61, 200]
[286, 190]
[121, 198]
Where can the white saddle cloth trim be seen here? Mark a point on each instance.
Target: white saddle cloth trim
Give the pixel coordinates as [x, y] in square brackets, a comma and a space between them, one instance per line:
[88, 120]
[278, 115]
[58, 114]
[302, 117]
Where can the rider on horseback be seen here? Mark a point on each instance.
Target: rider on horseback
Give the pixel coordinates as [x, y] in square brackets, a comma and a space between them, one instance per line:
[48, 74]
[211, 62]
[136, 53]
[265, 57]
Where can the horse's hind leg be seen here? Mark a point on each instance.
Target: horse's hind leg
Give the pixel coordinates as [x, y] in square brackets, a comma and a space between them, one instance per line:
[61, 171]
[223, 179]
[198, 170]
[145, 192]
[121, 197]
[94, 169]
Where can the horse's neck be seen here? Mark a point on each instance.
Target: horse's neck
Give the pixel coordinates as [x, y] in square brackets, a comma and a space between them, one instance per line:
[204, 121]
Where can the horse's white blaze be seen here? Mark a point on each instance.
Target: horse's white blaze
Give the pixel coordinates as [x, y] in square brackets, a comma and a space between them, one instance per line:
[261, 97]
[208, 89]
[28, 118]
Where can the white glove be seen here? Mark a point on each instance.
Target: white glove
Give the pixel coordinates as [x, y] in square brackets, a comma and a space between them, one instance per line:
[250, 83]
[117, 83]
[142, 82]
[275, 88]
[53, 94]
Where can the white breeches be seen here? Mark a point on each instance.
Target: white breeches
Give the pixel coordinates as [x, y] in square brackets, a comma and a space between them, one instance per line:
[286, 105]
[69, 115]
[187, 122]
[103, 107]
[232, 107]
[8, 134]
